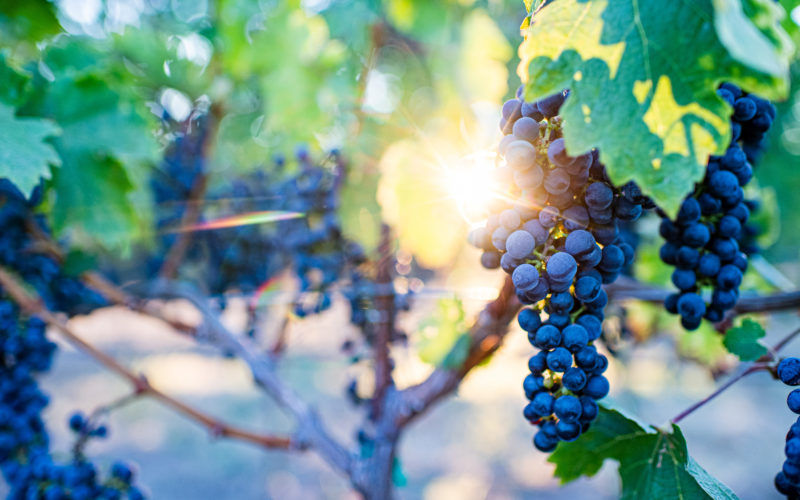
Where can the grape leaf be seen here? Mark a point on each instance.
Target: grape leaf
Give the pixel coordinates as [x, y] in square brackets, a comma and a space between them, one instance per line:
[104, 138]
[653, 463]
[30, 20]
[743, 340]
[96, 118]
[25, 157]
[93, 199]
[642, 95]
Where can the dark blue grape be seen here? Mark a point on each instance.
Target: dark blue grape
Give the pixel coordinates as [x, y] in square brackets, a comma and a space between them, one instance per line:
[559, 359]
[575, 337]
[793, 400]
[526, 129]
[599, 196]
[544, 442]
[529, 320]
[691, 305]
[729, 277]
[596, 387]
[542, 404]
[567, 408]
[548, 337]
[550, 105]
[789, 371]
[562, 266]
[568, 431]
[709, 265]
[574, 379]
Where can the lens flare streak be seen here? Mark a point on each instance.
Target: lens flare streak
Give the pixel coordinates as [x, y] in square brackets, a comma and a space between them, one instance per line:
[240, 220]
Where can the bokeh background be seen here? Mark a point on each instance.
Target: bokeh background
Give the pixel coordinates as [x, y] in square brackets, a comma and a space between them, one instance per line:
[411, 91]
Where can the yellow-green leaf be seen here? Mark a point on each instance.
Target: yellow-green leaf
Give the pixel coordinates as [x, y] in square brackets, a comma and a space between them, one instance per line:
[642, 95]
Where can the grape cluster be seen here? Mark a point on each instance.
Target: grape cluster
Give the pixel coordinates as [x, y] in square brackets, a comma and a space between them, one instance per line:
[560, 241]
[787, 481]
[242, 257]
[25, 458]
[705, 242]
[319, 252]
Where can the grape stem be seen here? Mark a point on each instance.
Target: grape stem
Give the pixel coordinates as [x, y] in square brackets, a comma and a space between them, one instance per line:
[764, 363]
[194, 207]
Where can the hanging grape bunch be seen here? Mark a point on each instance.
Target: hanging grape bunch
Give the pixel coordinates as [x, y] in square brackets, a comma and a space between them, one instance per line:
[787, 481]
[319, 252]
[707, 241]
[559, 238]
[26, 461]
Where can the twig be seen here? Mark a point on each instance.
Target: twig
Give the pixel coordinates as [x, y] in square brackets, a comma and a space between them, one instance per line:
[756, 367]
[91, 421]
[384, 304]
[782, 343]
[310, 431]
[140, 384]
[765, 362]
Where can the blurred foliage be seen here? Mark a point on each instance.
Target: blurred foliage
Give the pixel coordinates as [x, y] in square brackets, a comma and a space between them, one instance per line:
[357, 75]
[778, 170]
[444, 337]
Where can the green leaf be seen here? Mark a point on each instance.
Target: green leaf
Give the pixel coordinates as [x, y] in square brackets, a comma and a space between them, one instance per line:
[740, 30]
[445, 339]
[646, 98]
[14, 84]
[29, 20]
[744, 340]
[653, 463]
[96, 118]
[105, 137]
[767, 218]
[92, 199]
[359, 210]
[25, 156]
[77, 262]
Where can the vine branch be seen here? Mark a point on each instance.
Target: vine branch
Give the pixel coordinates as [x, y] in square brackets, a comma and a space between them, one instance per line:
[384, 302]
[756, 367]
[765, 362]
[486, 337]
[140, 384]
[627, 288]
